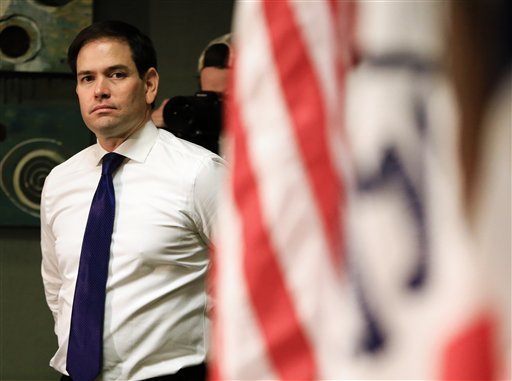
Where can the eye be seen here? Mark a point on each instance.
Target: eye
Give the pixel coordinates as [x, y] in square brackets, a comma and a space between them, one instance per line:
[86, 78]
[118, 75]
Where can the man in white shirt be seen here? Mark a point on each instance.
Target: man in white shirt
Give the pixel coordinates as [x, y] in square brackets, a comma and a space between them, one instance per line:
[155, 320]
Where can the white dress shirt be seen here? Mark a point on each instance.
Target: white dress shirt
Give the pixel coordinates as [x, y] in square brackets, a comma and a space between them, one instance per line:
[155, 312]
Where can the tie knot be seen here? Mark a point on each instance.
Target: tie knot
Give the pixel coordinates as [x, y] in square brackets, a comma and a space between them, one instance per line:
[111, 161]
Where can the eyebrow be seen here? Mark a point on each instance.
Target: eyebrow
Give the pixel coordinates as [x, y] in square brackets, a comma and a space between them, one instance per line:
[108, 69]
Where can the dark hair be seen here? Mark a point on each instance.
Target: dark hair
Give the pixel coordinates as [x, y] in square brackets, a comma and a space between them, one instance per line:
[217, 55]
[143, 52]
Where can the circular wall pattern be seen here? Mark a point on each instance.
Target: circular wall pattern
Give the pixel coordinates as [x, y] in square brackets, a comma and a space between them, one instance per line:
[24, 169]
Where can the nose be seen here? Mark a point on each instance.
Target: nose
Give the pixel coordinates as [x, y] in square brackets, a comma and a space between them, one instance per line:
[101, 89]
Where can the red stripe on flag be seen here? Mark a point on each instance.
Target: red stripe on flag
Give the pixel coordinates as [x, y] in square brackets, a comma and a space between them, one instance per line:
[287, 345]
[307, 110]
[470, 355]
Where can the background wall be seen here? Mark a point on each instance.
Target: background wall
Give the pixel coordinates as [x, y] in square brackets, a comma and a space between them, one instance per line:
[180, 30]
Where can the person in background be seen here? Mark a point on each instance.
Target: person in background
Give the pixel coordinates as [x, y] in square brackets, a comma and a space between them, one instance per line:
[162, 197]
[214, 65]
[213, 69]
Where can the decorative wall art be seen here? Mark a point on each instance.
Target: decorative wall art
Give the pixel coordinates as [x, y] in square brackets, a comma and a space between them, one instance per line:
[40, 121]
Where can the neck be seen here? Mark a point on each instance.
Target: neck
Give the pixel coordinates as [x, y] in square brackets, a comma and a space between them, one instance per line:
[110, 143]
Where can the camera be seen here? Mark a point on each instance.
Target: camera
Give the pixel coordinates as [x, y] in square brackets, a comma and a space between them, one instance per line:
[196, 118]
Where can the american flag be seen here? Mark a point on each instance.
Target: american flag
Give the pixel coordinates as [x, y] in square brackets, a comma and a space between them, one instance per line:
[341, 250]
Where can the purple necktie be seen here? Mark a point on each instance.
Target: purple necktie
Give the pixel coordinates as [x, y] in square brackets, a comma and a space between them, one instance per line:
[85, 348]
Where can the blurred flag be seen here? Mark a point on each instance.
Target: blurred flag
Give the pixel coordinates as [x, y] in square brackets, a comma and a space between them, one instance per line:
[491, 216]
[280, 245]
[417, 279]
[342, 251]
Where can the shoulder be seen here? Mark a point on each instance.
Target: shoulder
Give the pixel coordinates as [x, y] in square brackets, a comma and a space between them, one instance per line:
[186, 154]
[79, 162]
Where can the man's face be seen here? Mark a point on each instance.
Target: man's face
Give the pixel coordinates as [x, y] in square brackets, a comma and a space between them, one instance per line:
[214, 79]
[114, 100]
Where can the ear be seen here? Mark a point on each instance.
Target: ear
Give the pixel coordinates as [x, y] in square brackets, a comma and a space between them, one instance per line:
[151, 79]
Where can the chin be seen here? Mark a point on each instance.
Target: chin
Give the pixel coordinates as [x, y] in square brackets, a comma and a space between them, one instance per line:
[102, 124]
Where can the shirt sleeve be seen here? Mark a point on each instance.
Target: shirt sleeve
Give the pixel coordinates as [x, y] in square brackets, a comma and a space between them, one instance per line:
[49, 267]
[206, 190]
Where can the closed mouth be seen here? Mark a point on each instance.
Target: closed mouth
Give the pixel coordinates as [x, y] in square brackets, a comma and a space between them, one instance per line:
[102, 108]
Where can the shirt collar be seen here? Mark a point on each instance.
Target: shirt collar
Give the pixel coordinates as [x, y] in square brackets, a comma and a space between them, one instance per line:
[136, 147]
